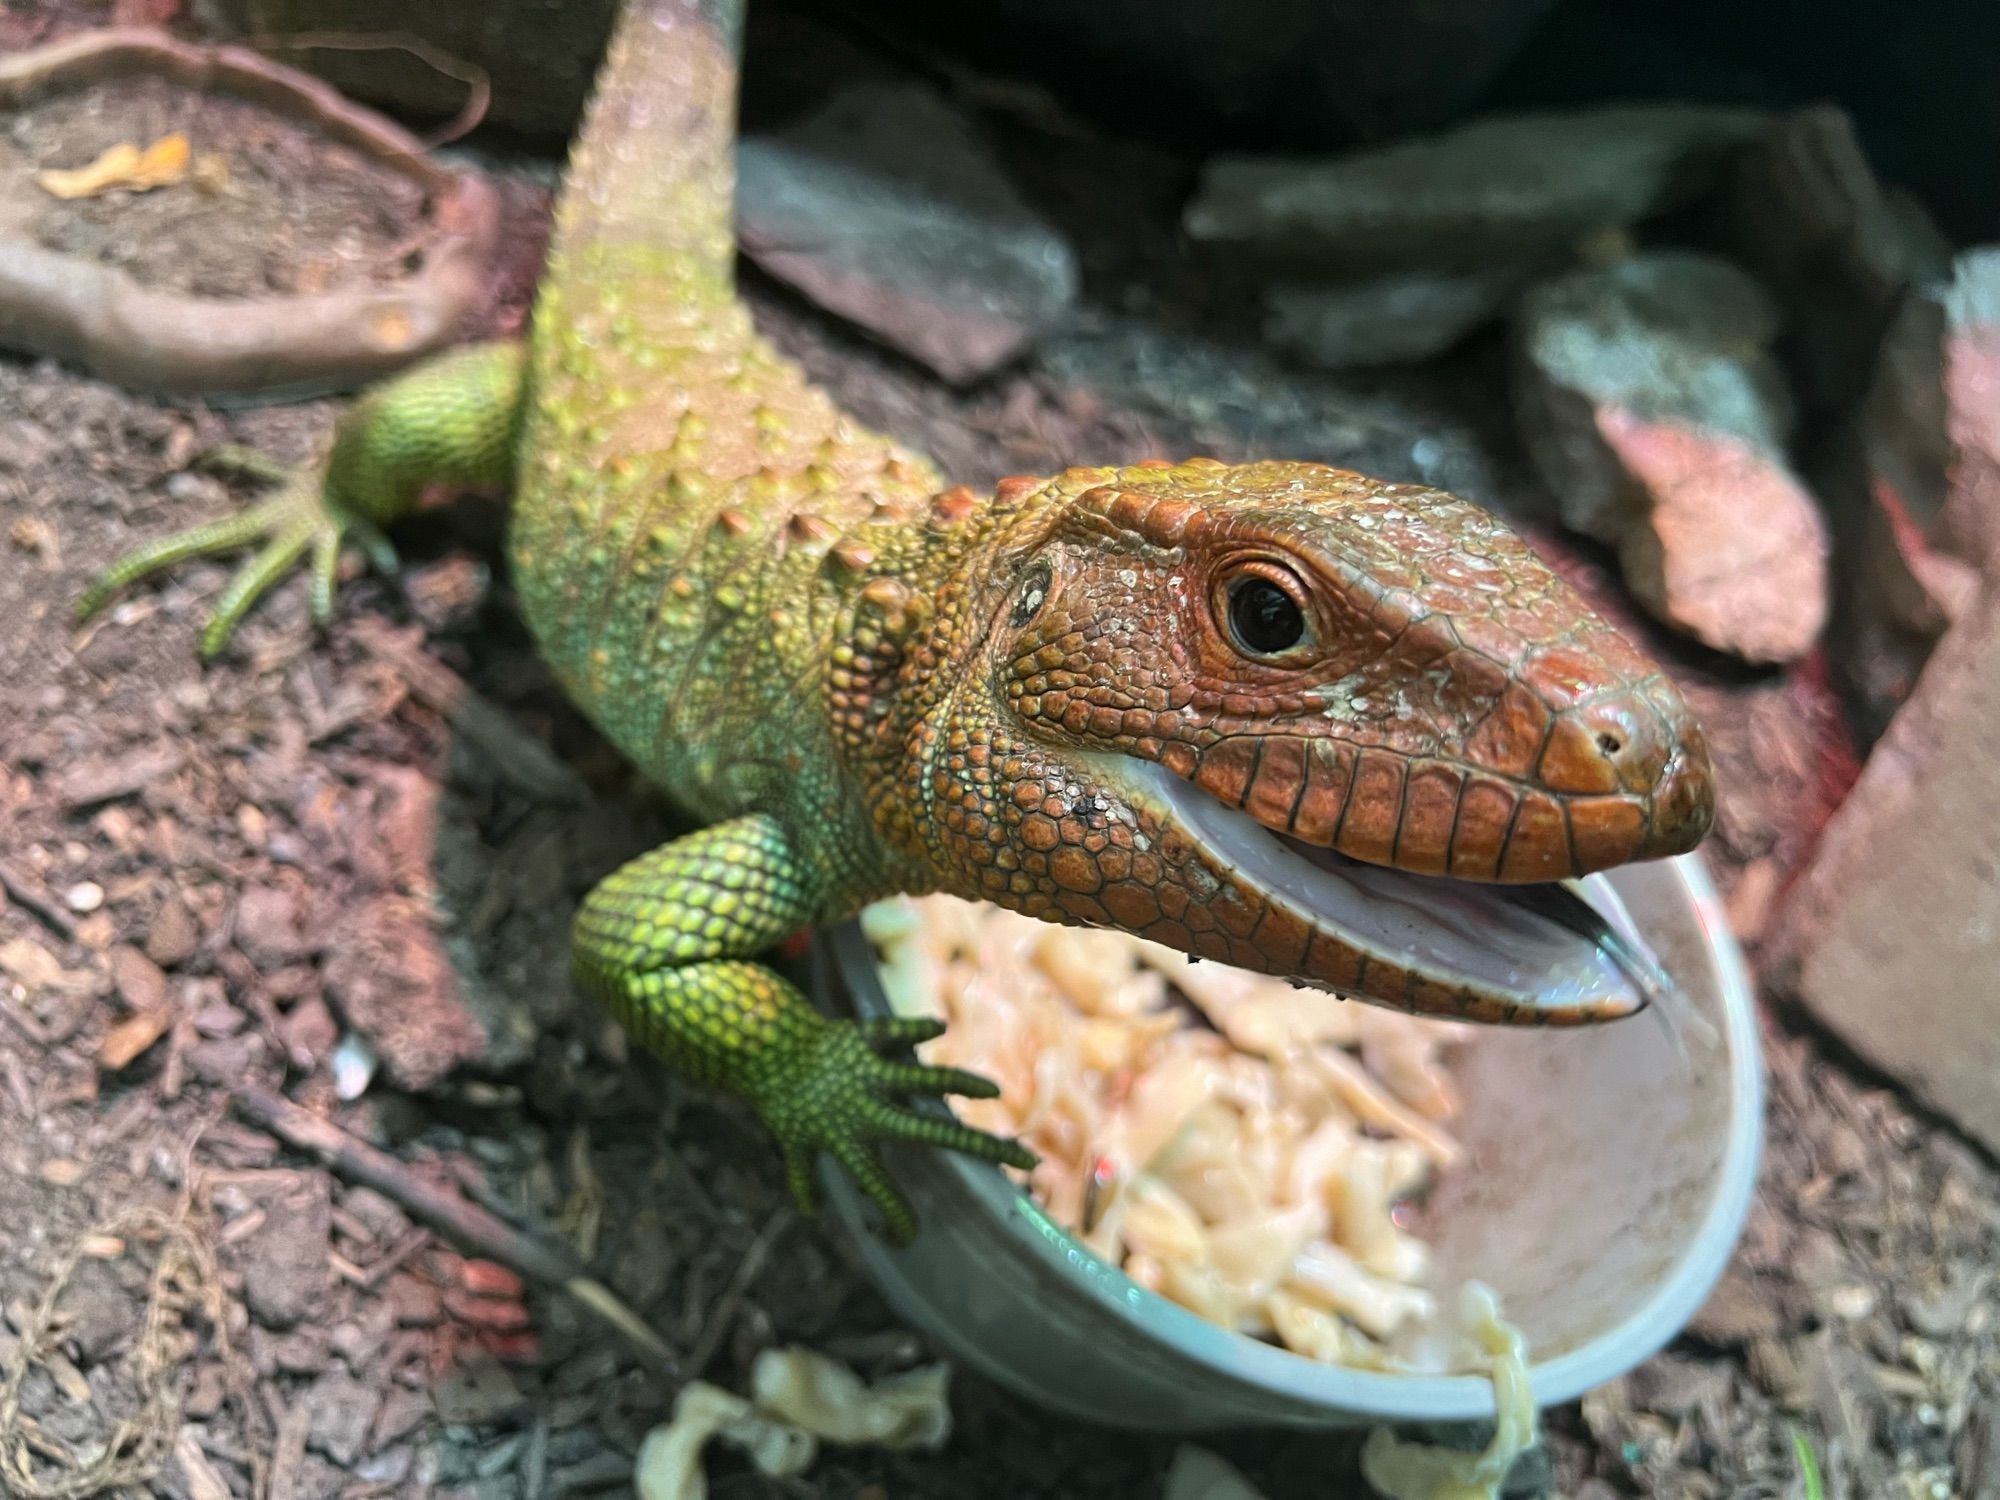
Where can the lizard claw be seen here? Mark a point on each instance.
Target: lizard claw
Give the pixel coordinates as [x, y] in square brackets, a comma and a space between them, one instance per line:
[841, 1102]
[297, 520]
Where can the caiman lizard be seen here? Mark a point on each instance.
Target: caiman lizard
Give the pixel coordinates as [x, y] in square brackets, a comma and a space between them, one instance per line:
[1273, 714]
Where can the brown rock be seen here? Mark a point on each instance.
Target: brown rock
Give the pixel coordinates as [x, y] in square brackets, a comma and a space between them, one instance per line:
[402, 1413]
[174, 934]
[885, 209]
[1889, 935]
[1672, 1386]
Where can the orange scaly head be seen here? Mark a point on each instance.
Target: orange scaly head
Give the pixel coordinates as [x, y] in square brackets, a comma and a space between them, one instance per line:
[1303, 722]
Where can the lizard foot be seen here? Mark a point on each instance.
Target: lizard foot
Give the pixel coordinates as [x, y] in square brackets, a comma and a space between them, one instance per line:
[838, 1102]
[298, 520]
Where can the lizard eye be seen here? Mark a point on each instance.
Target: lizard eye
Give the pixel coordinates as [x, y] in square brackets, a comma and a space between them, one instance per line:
[1034, 593]
[1264, 613]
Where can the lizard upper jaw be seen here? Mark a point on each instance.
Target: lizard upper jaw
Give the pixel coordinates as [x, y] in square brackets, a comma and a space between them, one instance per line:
[1542, 948]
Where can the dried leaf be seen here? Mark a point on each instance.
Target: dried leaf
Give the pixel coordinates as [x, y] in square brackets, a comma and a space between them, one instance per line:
[123, 166]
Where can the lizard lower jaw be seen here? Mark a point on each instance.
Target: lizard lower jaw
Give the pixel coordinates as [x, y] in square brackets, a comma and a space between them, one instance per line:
[1540, 950]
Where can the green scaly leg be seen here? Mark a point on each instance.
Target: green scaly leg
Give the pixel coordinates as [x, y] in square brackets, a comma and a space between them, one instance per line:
[448, 421]
[664, 942]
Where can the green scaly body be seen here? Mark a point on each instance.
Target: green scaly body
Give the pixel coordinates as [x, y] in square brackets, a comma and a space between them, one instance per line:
[863, 683]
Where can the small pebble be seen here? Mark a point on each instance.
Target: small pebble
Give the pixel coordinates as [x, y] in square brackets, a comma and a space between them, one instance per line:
[353, 1067]
[191, 486]
[85, 895]
[174, 935]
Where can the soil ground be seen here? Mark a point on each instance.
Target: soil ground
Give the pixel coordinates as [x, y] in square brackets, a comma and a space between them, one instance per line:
[305, 215]
[260, 851]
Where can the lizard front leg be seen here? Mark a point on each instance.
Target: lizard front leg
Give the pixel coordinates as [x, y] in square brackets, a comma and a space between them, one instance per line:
[665, 943]
[451, 420]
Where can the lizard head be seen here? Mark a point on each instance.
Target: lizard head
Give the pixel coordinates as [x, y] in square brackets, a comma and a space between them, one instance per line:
[1292, 719]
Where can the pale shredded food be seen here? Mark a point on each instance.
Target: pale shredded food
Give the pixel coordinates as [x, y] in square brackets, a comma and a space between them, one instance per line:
[1243, 1147]
[799, 1398]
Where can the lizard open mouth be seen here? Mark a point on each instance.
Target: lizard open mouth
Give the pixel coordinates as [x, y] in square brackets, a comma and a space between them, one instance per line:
[1561, 952]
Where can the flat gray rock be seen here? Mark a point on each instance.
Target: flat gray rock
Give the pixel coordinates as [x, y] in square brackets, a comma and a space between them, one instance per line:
[1384, 320]
[1503, 190]
[1671, 334]
[885, 209]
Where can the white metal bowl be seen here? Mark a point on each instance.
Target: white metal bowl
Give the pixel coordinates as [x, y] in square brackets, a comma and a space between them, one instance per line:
[1608, 1177]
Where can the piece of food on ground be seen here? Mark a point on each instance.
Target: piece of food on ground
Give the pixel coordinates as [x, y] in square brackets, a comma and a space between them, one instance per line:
[798, 1399]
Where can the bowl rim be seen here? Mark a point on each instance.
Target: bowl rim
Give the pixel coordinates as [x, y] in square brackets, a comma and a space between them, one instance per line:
[1388, 1396]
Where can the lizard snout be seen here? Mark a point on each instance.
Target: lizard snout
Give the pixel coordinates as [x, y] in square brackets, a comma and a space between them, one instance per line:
[1636, 757]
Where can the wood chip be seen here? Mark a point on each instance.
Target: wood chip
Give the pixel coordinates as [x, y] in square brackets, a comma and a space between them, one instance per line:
[123, 1043]
[141, 983]
[37, 968]
[95, 782]
[203, 1483]
[67, 1377]
[37, 905]
[288, 1454]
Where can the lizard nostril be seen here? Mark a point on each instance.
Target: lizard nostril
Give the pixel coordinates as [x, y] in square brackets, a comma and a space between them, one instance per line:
[1610, 744]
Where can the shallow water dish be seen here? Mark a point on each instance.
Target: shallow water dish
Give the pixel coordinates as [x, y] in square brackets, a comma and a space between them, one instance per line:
[147, 339]
[1606, 1183]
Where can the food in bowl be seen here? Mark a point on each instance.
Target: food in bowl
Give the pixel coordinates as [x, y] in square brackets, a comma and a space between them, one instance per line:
[1245, 1148]
[1249, 1150]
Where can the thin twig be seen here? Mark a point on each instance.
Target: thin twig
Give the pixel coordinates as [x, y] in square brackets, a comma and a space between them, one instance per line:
[37, 905]
[747, 1272]
[451, 1214]
[478, 82]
